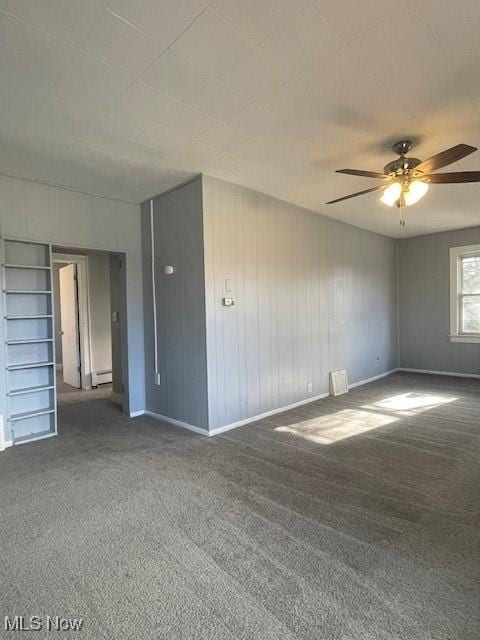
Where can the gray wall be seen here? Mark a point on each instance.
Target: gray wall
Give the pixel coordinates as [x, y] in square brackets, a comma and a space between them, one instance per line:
[312, 294]
[182, 394]
[424, 304]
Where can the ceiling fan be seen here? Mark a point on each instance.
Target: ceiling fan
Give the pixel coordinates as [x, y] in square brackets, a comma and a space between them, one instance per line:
[406, 179]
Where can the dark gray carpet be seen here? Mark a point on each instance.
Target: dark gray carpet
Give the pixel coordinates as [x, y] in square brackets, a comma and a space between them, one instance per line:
[352, 518]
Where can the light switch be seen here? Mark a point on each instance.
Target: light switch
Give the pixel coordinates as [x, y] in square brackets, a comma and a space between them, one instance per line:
[114, 316]
[228, 302]
[168, 270]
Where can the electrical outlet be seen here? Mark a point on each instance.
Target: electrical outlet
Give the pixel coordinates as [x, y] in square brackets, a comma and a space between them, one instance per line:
[310, 387]
[157, 379]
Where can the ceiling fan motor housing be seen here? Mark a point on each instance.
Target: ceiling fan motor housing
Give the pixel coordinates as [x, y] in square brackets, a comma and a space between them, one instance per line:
[401, 166]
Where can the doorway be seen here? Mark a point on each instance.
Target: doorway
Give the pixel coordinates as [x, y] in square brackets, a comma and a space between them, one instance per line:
[87, 325]
[68, 324]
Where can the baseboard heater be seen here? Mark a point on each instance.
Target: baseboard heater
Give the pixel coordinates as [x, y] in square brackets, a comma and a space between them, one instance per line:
[101, 377]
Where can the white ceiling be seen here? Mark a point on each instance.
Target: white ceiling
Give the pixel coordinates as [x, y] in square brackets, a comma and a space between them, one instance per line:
[127, 98]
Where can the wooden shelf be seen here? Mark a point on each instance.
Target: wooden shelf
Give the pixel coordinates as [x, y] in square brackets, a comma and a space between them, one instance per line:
[30, 414]
[26, 390]
[32, 365]
[25, 266]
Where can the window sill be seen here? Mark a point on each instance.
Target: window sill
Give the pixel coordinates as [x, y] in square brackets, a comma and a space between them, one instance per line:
[465, 338]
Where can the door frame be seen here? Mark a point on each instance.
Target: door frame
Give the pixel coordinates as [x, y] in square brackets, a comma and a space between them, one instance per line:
[84, 324]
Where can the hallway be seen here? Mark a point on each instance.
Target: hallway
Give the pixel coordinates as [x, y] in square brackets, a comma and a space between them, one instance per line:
[67, 393]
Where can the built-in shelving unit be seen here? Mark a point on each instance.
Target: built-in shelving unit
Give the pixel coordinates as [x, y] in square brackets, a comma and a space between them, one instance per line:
[29, 344]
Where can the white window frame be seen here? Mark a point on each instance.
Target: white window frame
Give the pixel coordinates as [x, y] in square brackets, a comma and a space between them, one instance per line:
[456, 254]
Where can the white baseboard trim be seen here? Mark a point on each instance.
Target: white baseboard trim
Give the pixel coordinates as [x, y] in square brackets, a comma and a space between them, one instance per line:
[294, 405]
[5, 445]
[177, 423]
[259, 416]
[266, 414]
[440, 373]
[135, 414]
[372, 379]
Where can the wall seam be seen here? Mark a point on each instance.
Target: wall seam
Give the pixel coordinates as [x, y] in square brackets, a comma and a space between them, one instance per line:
[397, 275]
[205, 315]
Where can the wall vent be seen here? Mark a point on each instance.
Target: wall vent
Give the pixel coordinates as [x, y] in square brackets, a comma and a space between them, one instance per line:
[338, 382]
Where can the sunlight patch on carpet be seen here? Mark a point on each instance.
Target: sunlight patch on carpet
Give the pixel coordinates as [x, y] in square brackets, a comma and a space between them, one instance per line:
[337, 426]
[411, 403]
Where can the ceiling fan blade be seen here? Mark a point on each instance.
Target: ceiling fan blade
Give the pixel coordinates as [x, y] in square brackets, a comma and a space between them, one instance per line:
[363, 174]
[454, 176]
[359, 193]
[445, 157]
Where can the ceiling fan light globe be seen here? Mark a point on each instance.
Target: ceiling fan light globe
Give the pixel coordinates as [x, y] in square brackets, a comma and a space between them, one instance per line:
[416, 190]
[391, 194]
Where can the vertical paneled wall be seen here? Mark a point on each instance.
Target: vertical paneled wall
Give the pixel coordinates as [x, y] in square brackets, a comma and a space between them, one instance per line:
[311, 295]
[362, 305]
[424, 304]
[180, 301]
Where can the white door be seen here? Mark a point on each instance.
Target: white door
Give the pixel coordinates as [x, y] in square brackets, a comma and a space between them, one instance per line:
[69, 329]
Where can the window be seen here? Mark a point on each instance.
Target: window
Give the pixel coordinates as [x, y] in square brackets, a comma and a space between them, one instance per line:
[465, 294]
